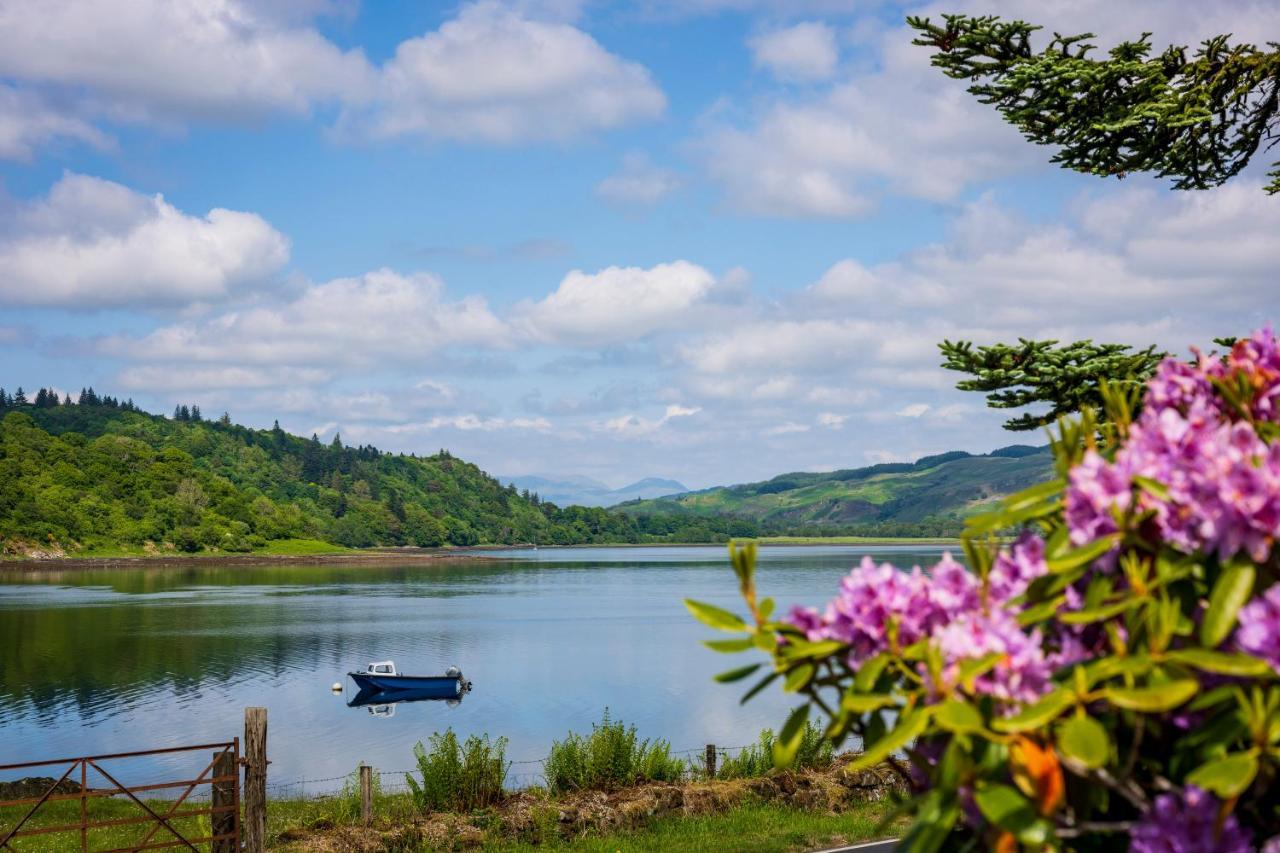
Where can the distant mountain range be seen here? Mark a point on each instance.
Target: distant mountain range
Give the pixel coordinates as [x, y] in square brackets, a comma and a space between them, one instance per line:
[944, 488]
[584, 491]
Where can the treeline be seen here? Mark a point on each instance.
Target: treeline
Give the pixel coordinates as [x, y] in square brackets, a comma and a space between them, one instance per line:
[100, 473]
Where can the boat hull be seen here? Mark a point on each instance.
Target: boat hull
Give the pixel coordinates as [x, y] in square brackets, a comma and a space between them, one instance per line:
[425, 686]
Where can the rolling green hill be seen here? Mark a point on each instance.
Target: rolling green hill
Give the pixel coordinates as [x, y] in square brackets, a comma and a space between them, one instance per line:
[101, 476]
[928, 497]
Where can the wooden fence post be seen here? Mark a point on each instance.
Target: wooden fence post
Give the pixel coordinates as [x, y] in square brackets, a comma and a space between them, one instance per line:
[224, 796]
[711, 761]
[366, 793]
[255, 779]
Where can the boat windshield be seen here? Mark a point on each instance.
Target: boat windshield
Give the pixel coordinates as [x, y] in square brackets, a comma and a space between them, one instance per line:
[383, 668]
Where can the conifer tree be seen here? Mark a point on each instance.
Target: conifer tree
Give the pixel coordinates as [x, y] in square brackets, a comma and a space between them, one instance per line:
[1197, 117]
[20, 398]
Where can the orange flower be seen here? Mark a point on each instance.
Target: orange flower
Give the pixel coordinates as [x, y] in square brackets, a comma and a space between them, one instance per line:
[1037, 773]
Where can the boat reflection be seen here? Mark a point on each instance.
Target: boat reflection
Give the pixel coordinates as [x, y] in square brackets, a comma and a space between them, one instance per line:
[381, 703]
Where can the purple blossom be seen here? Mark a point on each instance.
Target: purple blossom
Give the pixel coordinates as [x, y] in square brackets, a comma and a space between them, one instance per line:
[1259, 631]
[1187, 825]
[1021, 675]
[1016, 567]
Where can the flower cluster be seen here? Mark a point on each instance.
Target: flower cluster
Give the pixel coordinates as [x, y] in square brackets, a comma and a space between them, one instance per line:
[1259, 631]
[879, 606]
[1218, 482]
[1187, 824]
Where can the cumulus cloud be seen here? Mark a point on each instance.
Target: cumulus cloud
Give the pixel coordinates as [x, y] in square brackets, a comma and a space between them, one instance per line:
[895, 125]
[638, 182]
[633, 426]
[158, 60]
[616, 303]
[494, 75]
[28, 122]
[804, 51]
[347, 324]
[92, 243]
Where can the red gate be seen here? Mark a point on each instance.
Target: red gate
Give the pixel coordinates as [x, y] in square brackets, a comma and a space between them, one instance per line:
[87, 781]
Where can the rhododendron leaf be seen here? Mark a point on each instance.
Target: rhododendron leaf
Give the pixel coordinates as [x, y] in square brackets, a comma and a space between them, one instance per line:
[766, 642]
[910, 726]
[729, 646]
[1039, 612]
[1038, 714]
[714, 617]
[1110, 667]
[1155, 698]
[1083, 555]
[760, 685]
[1212, 697]
[798, 678]
[959, 717]
[1005, 807]
[788, 742]
[1152, 487]
[1084, 740]
[860, 703]
[766, 608]
[1230, 592]
[738, 674]
[1223, 663]
[803, 649]
[975, 667]
[1101, 613]
[1227, 777]
[869, 673]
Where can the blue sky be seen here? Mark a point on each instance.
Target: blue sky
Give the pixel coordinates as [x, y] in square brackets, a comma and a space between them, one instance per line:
[712, 240]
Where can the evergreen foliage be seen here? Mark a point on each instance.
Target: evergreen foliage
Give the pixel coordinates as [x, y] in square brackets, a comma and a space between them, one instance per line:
[1196, 117]
[102, 474]
[1068, 378]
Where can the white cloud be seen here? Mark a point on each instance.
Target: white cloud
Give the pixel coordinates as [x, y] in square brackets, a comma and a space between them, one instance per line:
[786, 429]
[638, 182]
[27, 122]
[496, 76]
[92, 243]
[617, 303]
[161, 60]
[803, 51]
[632, 426]
[350, 324]
[830, 420]
[914, 410]
[472, 423]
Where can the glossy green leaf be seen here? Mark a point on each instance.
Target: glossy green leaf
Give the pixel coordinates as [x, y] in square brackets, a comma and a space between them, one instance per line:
[1005, 807]
[1098, 614]
[1083, 555]
[860, 703]
[959, 717]
[1230, 593]
[1155, 488]
[801, 649]
[1084, 740]
[738, 674]
[760, 685]
[1038, 714]
[766, 608]
[1110, 667]
[1155, 698]
[788, 741]
[798, 678]
[869, 673]
[714, 617]
[1227, 777]
[728, 646]
[909, 727]
[1223, 663]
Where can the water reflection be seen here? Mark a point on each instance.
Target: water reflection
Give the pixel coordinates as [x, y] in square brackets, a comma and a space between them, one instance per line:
[114, 660]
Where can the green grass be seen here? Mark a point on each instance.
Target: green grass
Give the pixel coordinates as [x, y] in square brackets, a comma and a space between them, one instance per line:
[65, 812]
[856, 540]
[300, 548]
[746, 829]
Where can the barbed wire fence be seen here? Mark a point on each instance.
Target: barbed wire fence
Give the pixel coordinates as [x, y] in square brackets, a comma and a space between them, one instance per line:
[520, 776]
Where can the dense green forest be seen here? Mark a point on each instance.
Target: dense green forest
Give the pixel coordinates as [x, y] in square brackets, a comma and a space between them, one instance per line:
[97, 473]
[929, 497]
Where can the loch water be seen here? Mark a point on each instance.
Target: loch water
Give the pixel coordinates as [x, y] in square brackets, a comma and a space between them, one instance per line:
[107, 660]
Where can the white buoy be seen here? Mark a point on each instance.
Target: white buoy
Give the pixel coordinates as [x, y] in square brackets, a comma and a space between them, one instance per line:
[337, 687]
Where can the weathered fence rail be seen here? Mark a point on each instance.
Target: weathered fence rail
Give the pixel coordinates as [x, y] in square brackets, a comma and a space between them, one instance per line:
[162, 819]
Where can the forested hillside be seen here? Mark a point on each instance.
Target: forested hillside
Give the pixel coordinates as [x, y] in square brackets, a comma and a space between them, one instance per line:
[100, 474]
[929, 497]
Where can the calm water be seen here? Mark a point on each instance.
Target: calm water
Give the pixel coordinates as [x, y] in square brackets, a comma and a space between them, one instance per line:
[107, 661]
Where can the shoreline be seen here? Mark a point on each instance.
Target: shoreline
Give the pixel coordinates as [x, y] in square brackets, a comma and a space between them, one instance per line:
[374, 556]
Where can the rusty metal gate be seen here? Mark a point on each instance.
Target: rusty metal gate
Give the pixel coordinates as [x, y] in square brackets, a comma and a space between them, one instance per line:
[87, 781]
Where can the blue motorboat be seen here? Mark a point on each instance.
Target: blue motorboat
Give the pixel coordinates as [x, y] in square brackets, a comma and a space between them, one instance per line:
[382, 677]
